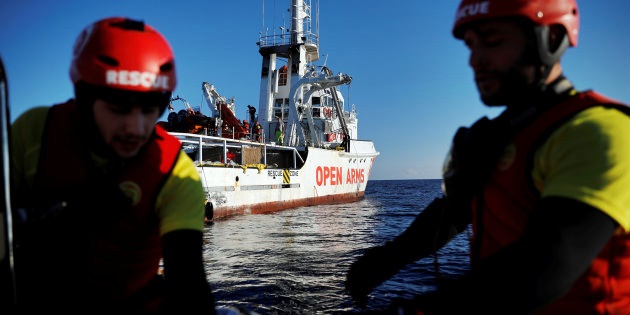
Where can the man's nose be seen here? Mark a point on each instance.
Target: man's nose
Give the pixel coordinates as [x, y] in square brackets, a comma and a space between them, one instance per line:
[475, 59]
[475, 49]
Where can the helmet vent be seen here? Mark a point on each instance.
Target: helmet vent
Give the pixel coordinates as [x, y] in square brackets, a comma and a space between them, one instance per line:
[108, 60]
[128, 24]
[166, 67]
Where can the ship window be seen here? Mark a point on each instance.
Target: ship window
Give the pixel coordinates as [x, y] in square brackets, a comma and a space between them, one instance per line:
[316, 112]
[282, 78]
[316, 100]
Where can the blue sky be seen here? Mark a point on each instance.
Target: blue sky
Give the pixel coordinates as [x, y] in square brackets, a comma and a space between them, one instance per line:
[411, 85]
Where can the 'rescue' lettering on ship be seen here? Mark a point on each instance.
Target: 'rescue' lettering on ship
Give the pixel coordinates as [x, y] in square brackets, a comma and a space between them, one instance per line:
[330, 176]
[136, 78]
[473, 9]
[273, 173]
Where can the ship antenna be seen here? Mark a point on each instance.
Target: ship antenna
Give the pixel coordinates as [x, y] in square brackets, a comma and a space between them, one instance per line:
[317, 21]
[349, 102]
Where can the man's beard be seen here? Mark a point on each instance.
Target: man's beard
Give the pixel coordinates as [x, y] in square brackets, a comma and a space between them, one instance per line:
[515, 88]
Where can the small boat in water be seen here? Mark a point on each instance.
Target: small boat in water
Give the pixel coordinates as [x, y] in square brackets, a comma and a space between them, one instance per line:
[299, 148]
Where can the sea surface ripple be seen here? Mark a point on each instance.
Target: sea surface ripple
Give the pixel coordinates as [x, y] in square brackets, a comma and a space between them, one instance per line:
[295, 261]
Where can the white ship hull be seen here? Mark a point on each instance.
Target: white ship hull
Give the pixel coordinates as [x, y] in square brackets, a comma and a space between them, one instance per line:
[327, 176]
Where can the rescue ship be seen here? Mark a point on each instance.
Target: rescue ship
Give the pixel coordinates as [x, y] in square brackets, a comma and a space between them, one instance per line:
[300, 147]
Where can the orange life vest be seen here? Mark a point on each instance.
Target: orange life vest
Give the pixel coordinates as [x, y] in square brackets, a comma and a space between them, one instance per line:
[605, 287]
[124, 255]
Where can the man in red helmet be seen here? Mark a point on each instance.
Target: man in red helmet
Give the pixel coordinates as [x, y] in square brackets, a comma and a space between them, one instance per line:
[102, 194]
[544, 184]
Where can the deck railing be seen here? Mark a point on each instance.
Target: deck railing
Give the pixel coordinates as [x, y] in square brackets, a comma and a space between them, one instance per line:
[202, 141]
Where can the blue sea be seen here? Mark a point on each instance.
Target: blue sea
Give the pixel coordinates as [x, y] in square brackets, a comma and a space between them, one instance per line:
[295, 261]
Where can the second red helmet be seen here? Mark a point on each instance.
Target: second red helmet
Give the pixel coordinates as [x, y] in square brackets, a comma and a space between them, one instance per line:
[540, 12]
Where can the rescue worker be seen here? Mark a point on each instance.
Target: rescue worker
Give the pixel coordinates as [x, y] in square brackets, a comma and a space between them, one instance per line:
[246, 127]
[279, 132]
[544, 184]
[252, 112]
[102, 194]
[258, 131]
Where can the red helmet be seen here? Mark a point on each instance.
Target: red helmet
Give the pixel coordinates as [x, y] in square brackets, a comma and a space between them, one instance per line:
[123, 54]
[540, 12]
